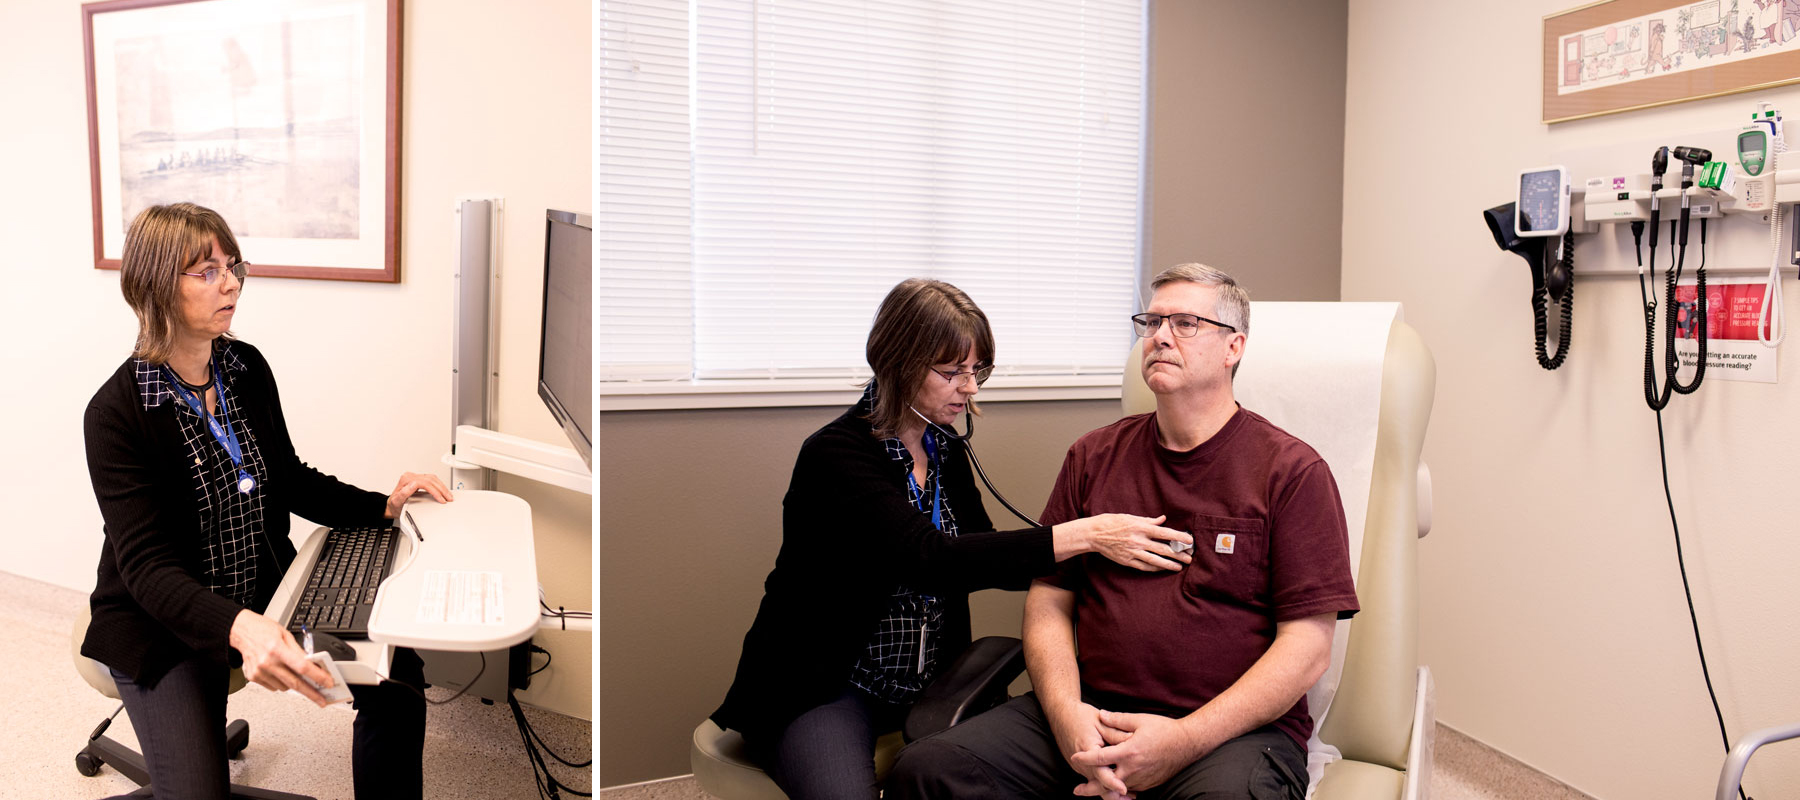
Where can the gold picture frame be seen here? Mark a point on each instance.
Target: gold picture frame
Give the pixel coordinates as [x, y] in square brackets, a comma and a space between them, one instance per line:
[282, 116]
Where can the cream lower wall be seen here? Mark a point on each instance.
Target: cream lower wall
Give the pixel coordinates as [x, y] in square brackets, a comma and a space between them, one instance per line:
[1552, 611]
[496, 103]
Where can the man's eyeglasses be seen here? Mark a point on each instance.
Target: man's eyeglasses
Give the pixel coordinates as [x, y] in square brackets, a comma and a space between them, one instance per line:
[980, 374]
[211, 274]
[1184, 326]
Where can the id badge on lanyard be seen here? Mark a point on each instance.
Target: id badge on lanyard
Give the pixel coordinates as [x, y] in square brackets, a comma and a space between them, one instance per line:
[937, 487]
[937, 516]
[222, 432]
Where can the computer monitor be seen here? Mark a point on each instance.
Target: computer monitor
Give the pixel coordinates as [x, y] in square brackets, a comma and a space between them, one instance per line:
[566, 352]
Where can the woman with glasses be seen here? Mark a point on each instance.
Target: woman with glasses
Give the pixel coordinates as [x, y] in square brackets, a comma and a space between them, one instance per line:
[883, 537]
[195, 476]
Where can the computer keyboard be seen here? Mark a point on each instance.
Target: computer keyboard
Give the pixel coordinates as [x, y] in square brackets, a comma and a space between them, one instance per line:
[340, 593]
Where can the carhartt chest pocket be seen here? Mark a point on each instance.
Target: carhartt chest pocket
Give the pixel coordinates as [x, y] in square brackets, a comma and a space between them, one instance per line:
[1231, 559]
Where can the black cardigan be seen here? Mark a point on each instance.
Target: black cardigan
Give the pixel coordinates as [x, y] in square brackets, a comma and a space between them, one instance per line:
[150, 609]
[849, 537]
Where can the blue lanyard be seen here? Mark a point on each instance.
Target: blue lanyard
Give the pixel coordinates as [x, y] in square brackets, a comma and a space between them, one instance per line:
[225, 436]
[937, 487]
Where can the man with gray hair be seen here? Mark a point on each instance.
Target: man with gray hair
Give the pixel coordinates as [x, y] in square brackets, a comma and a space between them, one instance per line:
[1171, 685]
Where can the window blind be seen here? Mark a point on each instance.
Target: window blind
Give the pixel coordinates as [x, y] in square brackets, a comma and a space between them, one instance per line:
[645, 258]
[839, 147]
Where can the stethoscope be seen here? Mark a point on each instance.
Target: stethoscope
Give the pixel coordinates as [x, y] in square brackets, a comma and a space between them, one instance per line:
[969, 423]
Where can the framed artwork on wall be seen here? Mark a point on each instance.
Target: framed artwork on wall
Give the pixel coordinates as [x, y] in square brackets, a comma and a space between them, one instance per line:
[281, 115]
[1623, 55]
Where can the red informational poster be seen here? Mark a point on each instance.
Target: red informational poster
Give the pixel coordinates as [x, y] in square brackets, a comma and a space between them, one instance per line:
[1733, 312]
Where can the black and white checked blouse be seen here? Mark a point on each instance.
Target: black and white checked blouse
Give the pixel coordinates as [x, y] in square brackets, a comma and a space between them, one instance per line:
[901, 657]
[231, 522]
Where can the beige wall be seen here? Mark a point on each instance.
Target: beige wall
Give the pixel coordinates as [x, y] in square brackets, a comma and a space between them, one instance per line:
[691, 500]
[1552, 611]
[494, 103]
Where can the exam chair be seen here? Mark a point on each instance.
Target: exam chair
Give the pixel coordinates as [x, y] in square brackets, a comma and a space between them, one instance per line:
[103, 750]
[1378, 714]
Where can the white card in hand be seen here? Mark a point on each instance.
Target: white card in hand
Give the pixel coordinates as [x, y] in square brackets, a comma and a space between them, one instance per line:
[339, 691]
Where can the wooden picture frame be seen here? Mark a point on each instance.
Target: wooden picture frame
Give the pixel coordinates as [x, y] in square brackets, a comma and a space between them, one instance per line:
[1623, 55]
[281, 115]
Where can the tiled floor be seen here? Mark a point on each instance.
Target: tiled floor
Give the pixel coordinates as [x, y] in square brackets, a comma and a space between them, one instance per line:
[1464, 770]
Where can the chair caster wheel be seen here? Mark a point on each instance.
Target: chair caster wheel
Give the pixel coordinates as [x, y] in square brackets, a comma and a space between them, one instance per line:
[237, 737]
[87, 764]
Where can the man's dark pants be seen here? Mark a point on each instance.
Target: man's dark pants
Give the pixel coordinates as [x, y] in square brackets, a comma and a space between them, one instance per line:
[1011, 752]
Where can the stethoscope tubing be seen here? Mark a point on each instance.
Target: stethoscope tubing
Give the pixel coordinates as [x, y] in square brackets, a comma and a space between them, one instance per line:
[969, 423]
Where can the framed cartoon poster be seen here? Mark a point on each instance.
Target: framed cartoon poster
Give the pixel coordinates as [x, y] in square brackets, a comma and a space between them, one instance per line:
[1623, 55]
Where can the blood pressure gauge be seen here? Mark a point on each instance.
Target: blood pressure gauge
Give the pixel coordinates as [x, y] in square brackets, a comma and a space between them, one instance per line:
[1543, 205]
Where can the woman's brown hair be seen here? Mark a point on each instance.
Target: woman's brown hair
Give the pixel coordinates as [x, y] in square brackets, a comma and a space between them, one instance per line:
[162, 243]
[921, 323]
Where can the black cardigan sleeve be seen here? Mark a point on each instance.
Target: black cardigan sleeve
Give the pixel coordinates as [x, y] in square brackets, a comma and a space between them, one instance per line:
[310, 493]
[846, 498]
[145, 542]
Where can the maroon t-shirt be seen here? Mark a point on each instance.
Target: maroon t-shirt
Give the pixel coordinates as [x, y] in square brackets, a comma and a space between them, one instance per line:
[1269, 546]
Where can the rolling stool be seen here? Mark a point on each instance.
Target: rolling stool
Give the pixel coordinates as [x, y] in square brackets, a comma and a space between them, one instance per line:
[103, 750]
[976, 682]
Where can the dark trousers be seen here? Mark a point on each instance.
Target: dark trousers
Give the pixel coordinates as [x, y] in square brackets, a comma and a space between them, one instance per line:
[180, 724]
[828, 753]
[1011, 752]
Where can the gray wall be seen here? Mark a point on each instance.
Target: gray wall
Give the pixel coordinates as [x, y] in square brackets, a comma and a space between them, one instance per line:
[690, 520]
[690, 501]
[1247, 142]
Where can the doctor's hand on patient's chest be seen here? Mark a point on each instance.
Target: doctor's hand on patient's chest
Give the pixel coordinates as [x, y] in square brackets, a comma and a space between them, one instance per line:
[272, 659]
[1141, 543]
[412, 483]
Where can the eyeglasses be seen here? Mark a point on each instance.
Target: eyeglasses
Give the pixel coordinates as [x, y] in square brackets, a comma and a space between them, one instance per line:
[980, 374]
[1184, 326]
[211, 274]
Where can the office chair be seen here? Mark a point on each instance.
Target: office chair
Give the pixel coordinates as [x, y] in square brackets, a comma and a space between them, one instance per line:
[1375, 706]
[103, 750]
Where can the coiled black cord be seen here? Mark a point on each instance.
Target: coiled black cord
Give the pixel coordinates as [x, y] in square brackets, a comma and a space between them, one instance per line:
[1670, 385]
[1540, 300]
[1700, 300]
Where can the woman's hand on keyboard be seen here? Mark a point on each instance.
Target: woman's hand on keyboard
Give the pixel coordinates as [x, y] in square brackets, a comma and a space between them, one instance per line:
[272, 659]
[412, 483]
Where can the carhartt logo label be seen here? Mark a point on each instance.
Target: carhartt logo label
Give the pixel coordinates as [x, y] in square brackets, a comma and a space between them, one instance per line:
[1224, 543]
